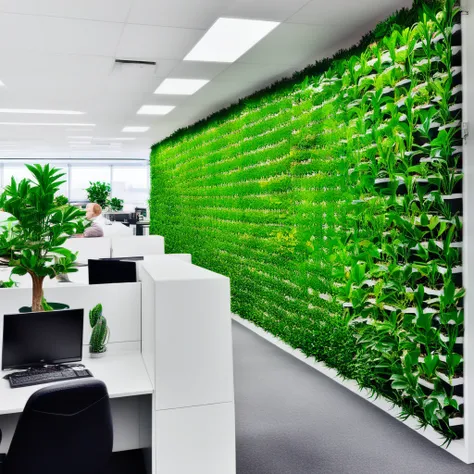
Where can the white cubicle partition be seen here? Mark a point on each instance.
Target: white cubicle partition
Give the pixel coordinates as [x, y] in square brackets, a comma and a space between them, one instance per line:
[121, 368]
[121, 304]
[138, 245]
[98, 247]
[187, 348]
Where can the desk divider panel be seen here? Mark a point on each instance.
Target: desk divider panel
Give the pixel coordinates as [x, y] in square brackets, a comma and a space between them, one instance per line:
[121, 304]
[98, 247]
[138, 245]
[187, 349]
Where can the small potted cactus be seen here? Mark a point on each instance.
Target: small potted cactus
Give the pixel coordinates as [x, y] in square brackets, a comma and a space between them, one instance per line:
[100, 332]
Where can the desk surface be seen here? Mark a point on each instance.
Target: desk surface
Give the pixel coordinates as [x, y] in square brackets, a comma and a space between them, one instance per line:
[124, 374]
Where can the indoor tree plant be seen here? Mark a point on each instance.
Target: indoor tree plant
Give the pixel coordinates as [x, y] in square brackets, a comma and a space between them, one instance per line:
[38, 228]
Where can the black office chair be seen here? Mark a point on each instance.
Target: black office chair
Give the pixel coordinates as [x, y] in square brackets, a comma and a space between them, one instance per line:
[65, 428]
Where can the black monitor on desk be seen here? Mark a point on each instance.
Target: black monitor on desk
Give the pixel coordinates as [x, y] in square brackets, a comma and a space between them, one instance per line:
[40, 338]
[112, 271]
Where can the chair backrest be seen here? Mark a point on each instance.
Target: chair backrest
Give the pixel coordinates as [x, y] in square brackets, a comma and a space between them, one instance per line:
[65, 428]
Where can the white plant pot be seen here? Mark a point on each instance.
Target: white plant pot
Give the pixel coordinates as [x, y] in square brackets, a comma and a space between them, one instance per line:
[97, 355]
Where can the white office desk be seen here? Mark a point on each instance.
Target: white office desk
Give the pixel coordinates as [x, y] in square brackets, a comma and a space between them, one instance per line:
[124, 374]
[129, 388]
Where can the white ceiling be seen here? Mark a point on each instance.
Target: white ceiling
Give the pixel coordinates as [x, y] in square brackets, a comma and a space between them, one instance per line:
[59, 54]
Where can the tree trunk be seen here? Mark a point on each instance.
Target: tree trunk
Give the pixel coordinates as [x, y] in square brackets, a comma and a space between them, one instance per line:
[37, 304]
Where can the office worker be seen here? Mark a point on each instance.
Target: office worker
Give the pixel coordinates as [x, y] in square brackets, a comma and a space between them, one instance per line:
[94, 214]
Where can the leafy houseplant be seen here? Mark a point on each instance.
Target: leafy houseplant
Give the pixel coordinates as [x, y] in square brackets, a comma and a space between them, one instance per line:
[31, 244]
[99, 192]
[61, 200]
[100, 332]
[116, 204]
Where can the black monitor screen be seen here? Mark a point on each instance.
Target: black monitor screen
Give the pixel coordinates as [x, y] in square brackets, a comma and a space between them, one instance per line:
[35, 339]
[111, 271]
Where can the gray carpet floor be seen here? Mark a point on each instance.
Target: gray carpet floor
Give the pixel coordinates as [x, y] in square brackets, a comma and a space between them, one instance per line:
[293, 420]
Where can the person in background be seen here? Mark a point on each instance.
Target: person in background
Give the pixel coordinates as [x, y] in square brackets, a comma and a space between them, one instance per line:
[93, 214]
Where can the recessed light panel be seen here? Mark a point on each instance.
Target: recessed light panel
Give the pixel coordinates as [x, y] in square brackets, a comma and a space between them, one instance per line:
[41, 111]
[181, 86]
[230, 38]
[155, 109]
[136, 129]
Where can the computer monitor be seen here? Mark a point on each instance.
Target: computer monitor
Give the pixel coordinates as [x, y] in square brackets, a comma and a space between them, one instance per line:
[140, 211]
[111, 271]
[39, 338]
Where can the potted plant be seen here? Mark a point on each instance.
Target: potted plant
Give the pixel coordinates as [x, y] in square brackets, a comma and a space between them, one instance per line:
[100, 332]
[116, 204]
[32, 244]
[61, 200]
[99, 193]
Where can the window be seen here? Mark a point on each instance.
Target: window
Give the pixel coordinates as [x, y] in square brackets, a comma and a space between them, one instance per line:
[80, 178]
[20, 172]
[130, 183]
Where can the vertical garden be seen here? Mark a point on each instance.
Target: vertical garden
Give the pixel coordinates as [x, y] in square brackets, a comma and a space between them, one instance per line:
[333, 201]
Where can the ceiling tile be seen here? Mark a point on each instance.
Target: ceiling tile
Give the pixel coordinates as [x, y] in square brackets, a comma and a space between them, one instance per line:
[105, 10]
[52, 55]
[292, 44]
[58, 35]
[222, 92]
[354, 13]
[275, 10]
[197, 70]
[156, 42]
[66, 67]
[179, 13]
[254, 72]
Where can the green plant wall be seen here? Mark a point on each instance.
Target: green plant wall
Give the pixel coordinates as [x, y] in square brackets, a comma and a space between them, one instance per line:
[332, 202]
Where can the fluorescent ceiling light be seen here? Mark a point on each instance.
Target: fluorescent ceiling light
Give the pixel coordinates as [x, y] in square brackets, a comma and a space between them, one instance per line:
[80, 143]
[230, 38]
[48, 124]
[135, 129]
[80, 137]
[2, 84]
[41, 111]
[155, 109]
[181, 86]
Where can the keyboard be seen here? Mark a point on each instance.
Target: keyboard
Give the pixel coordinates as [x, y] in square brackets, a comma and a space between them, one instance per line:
[46, 375]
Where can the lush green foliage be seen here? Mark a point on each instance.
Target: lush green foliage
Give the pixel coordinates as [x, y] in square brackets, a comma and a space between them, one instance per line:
[116, 204]
[31, 241]
[333, 205]
[99, 193]
[61, 200]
